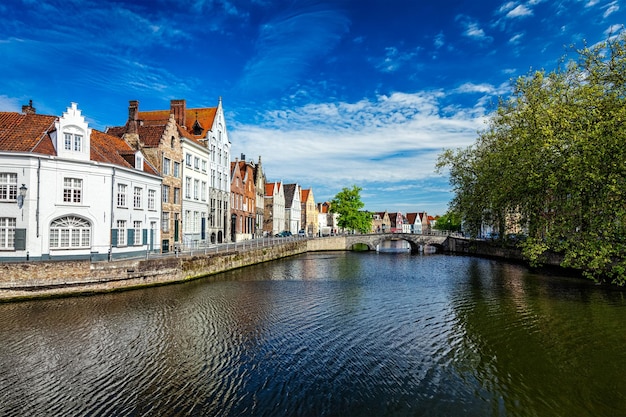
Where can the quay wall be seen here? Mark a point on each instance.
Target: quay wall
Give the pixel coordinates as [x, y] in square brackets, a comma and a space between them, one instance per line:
[41, 279]
[27, 280]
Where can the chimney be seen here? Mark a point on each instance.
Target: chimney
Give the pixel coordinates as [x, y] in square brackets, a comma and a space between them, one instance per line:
[178, 108]
[29, 109]
[133, 116]
[243, 157]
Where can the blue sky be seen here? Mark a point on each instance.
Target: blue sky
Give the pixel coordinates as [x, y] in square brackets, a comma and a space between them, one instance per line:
[330, 93]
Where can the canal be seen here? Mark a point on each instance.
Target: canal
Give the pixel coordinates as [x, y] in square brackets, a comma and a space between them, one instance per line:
[325, 334]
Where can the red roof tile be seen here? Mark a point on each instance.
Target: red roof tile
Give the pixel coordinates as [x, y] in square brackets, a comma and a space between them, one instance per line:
[26, 132]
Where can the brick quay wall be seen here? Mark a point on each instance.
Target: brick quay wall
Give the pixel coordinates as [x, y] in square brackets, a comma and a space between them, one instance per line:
[28, 280]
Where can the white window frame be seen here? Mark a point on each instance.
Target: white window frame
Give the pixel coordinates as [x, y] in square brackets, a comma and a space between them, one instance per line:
[70, 232]
[137, 197]
[7, 233]
[121, 233]
[8, 186]
[151, 199]
[121, 195]
[138, 235]
[72, 190]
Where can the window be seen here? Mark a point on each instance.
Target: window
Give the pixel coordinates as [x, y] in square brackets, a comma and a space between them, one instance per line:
[165, 222]
[121, 195]
[176, 195]
[204, 165]
[8, 186]
[196, 189]
[177, 169]
[139, 162]
[213, 178]
[187, 187]
[166, 193]
[196, 162]
[203, 191]
[137, 197]
[121, 233]
[166, 166]
[188, 159]
[72, 190]
[73, 142]
[70, 233]
[151, 199]
[68, 142]
[78, 143]
[7, 232]
[137, 228]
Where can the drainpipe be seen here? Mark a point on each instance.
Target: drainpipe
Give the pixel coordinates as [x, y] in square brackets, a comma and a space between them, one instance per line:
[111, 215]
[38, 186]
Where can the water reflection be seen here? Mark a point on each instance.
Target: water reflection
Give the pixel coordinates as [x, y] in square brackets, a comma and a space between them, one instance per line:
[323, 335]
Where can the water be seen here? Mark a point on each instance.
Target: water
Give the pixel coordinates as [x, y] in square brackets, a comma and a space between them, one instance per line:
[325, 334]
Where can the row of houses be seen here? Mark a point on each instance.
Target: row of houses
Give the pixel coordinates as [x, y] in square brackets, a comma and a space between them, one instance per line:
[396, 222]
[161, 181]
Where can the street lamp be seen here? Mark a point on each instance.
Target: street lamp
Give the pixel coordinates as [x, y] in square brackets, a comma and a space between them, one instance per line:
[21, 196]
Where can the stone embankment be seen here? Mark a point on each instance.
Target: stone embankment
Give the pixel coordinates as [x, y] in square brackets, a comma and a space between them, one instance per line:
[27, 280]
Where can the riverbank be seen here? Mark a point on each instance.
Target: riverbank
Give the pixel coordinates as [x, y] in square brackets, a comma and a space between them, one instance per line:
[43, 279]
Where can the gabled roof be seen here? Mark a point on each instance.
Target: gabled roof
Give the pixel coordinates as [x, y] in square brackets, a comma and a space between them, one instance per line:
[411, 217]
[269, 188]
[113, 150]
[26, 133]
[304, 194]
[31, 133]
[290, 192]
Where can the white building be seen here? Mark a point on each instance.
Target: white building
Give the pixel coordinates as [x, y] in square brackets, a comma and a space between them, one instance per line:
[70, 192]
[195, 192]
[293, 208]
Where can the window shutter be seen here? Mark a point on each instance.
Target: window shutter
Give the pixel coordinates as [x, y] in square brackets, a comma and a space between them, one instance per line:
[20, 239]
[144, 240]
[114, 237]
[131, 237]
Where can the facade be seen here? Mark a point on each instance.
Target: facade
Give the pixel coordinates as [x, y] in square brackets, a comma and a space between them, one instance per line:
[396, 222]
[381, 223]
[191, 150]
[274, 210]
[310, 220]
[259, 188]
[243, 201]
[327, 221]
[413, 219]
[424, 221]
[293, 215]
[71, 192]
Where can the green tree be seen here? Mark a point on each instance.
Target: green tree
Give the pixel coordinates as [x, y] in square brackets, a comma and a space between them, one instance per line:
[552, 161]
[450, 221]
[347, 203]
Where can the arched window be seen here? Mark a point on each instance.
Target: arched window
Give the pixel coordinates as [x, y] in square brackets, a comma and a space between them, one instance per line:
[70, 233]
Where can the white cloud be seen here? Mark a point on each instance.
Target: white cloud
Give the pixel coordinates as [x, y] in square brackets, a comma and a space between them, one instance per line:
[610, 9]
[519, 11]
[390, 139]
[10, 103]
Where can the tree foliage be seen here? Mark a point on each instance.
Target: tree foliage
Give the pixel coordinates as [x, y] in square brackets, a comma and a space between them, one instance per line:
[450, 221]
[552, 162]
[347, 203]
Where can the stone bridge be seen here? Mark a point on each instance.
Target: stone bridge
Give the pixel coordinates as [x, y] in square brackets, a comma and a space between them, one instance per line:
[415, 240]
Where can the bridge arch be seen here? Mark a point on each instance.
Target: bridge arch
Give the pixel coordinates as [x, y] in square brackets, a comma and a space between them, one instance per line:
[372, 241]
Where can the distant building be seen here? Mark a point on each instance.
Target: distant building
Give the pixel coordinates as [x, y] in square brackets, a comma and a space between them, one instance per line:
[274, 212]
[293, 209]
[309, 213]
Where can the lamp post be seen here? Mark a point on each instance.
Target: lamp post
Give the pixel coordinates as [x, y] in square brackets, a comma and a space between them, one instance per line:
[21, 196]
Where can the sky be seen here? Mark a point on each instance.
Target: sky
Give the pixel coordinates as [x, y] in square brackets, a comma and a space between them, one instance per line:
[329, 94]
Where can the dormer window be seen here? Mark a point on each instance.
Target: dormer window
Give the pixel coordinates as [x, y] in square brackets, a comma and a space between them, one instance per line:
[139, 161]
[73, 142]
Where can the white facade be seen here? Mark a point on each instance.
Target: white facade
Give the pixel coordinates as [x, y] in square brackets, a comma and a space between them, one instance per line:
[195, 193]
[293, 209]
[74, 207]
[218, 146]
